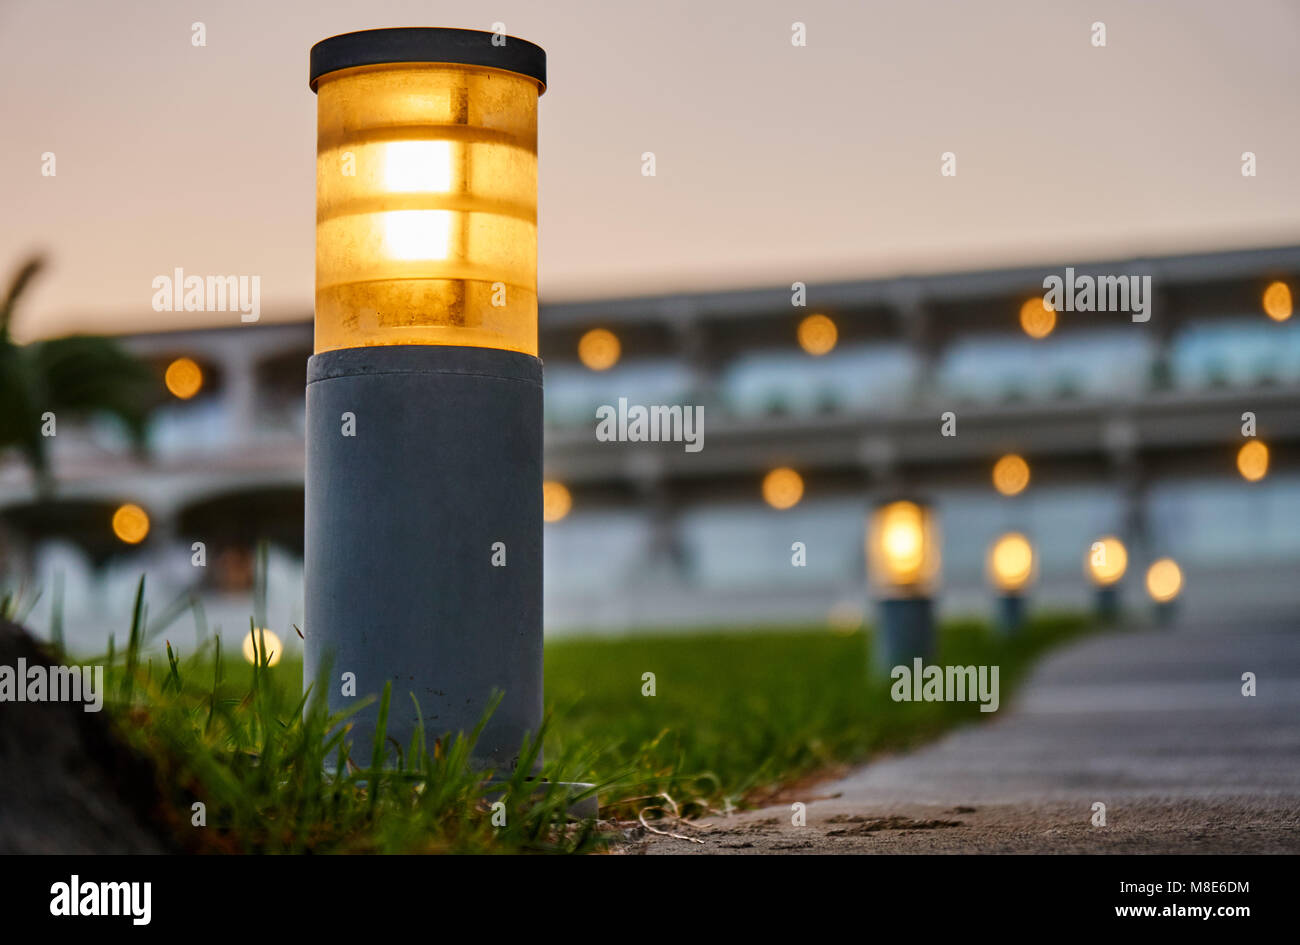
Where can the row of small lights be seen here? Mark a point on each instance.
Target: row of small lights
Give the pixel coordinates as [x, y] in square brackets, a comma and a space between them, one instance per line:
[599, 349]
[783, 488]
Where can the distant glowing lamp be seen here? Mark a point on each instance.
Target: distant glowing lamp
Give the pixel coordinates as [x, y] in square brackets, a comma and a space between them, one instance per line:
[1107, 561]
[782, 488]
[1252, 460]
[1277, 301]
[1164, 584]
[184, 378]
[1011, 566]
[1105, 564]
[817, 335]
[1164, 580]
[1011, 563]
[130, 524]
[902, 549]
[1011, 474]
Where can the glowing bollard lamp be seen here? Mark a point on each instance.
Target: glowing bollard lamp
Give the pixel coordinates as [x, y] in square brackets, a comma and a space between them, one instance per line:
[1164, 583]
[1011, 567]
[424, 395]
[1105, 564]
[903, 569]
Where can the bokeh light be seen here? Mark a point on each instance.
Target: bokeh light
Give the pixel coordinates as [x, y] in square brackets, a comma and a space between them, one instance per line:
[1252, 460]
[1277, 301]
[846, 616]
[1011, 474]
[556, 500]
[1164, 580]
[599, 349]
[265, 651]
[817, 335]
[184, 378]
[130, 524]
[782, 488]
[901, 550]
[1037, 318]
[1107, 561]
[1011, 562]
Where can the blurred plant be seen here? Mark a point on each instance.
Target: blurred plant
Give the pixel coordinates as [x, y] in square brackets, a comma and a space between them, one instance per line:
[76, 375]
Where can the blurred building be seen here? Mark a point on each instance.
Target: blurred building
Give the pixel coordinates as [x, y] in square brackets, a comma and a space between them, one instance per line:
[1128, 428]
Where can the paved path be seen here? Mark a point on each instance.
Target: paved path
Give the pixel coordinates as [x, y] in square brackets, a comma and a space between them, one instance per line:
[1153, 724]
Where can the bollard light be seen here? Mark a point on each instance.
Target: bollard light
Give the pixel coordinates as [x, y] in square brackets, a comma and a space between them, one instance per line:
[1105, 564]
[426, 189]
[903, 559]
[902, 548]
[424, 395]
[1011, 567]
[1164, 584]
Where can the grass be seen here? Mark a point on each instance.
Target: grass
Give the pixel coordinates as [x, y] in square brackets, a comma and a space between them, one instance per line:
[736, 715]
[733, 717]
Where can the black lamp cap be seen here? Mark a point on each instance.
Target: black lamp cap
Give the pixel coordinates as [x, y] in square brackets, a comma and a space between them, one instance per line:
[428, 44]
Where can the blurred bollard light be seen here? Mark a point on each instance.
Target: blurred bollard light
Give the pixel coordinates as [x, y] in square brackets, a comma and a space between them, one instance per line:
[903, 571]
[424, 395]
[1164, 584]
[1105, 564]
[1011, 567]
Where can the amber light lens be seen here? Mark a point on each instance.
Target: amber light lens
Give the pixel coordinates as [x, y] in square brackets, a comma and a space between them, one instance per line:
[903, 548]
[1011, 563]
[426, 207]
[1107, 561]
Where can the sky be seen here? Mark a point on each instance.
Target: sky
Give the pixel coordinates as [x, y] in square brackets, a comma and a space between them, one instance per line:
[774, 162]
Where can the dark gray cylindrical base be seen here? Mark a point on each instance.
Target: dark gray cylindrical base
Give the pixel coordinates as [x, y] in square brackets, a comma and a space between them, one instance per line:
[424, 540]
[1011, 613]
[906, 632]
[1108, 604]
[1166, 613]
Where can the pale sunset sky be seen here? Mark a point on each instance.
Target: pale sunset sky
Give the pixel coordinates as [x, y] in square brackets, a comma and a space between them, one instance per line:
[775, 163]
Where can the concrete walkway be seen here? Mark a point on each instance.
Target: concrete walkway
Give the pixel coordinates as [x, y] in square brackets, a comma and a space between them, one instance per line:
[1152, 723]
